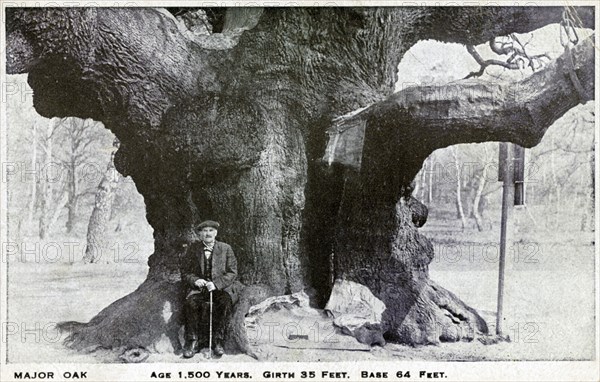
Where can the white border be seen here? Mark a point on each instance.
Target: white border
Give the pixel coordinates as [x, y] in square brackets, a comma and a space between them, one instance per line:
[3, 199]
[454, 371]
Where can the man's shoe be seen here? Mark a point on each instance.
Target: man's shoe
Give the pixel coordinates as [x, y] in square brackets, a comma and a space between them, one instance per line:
[190, 348]
[218, 350]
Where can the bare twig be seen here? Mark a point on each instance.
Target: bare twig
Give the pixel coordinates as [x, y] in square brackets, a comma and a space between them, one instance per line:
[518, 57]
[485, 63]
[536, 61]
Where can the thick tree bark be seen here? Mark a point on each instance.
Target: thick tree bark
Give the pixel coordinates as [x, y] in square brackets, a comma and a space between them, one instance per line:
[237, 121]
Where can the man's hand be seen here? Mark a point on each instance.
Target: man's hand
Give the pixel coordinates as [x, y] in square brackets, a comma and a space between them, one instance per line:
[200, 283]
[210, 286]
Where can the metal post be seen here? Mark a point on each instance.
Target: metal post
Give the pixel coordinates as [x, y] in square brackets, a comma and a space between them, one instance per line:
[507, 200]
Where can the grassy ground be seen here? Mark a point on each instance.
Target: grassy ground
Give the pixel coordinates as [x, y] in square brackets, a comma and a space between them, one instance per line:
[549, 300]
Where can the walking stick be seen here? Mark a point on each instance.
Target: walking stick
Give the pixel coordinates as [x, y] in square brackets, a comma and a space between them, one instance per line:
[210, 333]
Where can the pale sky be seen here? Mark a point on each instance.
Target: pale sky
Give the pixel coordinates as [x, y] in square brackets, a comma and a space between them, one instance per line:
[434, 62]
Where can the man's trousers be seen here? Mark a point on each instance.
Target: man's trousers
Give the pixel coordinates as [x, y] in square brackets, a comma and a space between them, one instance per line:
[196, 311]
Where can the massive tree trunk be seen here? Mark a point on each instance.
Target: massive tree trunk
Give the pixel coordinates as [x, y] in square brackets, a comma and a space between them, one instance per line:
[231, 127]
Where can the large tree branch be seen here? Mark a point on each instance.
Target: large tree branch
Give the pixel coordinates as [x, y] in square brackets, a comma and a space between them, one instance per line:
[476, 25]
[99, 62]
[127, 63]
[392, 138]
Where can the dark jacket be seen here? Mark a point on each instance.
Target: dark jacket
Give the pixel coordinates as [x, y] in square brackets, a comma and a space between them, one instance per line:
[224, 268]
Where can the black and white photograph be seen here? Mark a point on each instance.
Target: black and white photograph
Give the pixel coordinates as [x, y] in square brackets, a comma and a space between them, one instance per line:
[324, 191]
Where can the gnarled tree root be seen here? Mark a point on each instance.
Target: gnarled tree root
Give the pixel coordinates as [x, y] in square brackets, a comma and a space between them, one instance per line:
[147, 318]
[434, 315]
[150, 319]
[237, 337]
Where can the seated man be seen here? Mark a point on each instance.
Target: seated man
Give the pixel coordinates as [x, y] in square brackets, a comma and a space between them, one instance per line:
[208, 266]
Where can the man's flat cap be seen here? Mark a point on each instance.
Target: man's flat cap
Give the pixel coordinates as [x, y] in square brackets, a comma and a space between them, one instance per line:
[208, 223]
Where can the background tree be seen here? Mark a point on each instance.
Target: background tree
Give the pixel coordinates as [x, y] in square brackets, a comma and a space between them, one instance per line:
[50, 173]
[98, 225]
[81, 150]
[80, 136]
[460, 212]
[256, 98]
[479, 161]
[34, 179]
